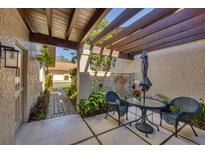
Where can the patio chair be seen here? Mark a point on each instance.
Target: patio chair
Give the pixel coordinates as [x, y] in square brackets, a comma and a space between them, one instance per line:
[185, 109]
[116, 103]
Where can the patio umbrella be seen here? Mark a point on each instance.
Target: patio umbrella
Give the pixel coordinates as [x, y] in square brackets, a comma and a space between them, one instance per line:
[145, 83]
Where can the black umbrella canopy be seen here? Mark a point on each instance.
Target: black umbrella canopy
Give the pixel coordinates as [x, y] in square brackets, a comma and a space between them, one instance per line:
[145, 84]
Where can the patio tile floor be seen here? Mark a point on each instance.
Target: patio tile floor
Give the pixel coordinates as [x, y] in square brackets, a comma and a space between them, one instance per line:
[121, 136]
[178, 141]
[61, 130]
[156, 137]
[72, 129]
[91, 141]
[99, 124]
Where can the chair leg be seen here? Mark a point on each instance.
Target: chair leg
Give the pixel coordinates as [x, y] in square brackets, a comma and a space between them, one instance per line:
[160, 121]
[119, 118]
[193, 130]
[176, 130]
[126, 115]
[106, 115]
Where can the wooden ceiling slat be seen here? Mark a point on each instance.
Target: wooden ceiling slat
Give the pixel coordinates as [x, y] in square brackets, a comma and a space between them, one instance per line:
[160, 25]
[181, 27]
[148, 19]
[84, 12]
[179, 36]
[49, 20]
[59, 22]
[64, 13]
[38, 19]
[44, 39]
[97, 17]
[38, 10]
[72, 22]
[26, 16]
[122, 18]
[106, 52]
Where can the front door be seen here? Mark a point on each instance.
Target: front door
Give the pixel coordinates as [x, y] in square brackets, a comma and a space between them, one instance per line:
[19, 92]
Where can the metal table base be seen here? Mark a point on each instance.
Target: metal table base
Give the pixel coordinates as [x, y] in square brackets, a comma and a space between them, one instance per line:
[143, 124]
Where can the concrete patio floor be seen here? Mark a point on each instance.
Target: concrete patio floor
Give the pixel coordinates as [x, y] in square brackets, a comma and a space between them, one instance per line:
[72, 129]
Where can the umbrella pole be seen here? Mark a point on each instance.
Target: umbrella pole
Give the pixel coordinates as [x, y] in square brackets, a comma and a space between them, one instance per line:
[144, 97]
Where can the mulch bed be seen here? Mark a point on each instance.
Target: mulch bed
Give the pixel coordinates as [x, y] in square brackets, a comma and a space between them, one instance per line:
[40, 109]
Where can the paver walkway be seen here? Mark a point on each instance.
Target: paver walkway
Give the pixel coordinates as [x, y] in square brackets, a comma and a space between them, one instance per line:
[59, 104]
[72, 129]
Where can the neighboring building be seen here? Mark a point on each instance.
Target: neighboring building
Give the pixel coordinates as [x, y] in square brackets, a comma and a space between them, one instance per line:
[61, 74]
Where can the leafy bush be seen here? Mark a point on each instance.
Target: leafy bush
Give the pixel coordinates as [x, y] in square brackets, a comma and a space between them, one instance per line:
[66, 77]
[48, 81]
[94, 104]
[39, 110]
[71, 91]
[199, 118]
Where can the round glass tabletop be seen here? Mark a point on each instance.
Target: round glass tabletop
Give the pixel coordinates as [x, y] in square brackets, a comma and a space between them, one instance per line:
[149, 103]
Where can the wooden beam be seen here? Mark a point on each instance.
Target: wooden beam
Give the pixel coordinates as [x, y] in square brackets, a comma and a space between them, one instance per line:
[72, 21]
[97, 17]
[173, 30]
[173, 43]
[179, 42]
[171, 20]
[122, 18]
[148, 19]
[178, 37]
[25, 15]
[49, 20]
[45, 39]
[106, 52]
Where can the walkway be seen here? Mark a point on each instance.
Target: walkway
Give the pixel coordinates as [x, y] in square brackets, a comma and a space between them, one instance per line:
[59, 104]
[72, 129]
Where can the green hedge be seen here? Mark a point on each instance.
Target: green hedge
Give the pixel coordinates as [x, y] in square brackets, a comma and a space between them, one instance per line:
[95, 104]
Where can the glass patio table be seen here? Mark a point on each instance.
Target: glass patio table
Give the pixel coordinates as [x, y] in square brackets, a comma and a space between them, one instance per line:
[142, 122]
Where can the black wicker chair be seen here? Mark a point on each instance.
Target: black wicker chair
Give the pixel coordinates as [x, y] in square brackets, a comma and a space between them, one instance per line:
[185, 108]
[116, 103]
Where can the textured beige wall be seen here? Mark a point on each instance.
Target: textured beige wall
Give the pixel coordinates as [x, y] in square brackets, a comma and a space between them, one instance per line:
[86, 74]
[178, 71]
[174, 71]
[13, 30]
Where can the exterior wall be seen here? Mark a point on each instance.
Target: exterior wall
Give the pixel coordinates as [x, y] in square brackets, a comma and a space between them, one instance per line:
[174, 71]
[13, 32]
[85, 74]
[177, 71]
[58, 77]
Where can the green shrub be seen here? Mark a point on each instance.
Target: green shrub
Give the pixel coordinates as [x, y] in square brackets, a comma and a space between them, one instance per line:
[66, 77]
[94, 104]
[39, 110]
[48, 81]
[199, 118]
[71, 91]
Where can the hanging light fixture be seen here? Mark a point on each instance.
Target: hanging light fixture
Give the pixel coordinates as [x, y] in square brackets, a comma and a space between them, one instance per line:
[10, 56]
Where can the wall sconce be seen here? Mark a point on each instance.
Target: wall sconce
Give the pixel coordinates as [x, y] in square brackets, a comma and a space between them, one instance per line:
[10, 55]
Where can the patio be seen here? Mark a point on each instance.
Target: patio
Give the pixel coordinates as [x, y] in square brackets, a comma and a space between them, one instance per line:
[72, 129]
[173, 37]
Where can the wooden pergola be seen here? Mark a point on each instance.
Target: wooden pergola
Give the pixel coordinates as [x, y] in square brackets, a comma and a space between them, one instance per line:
[161, 28]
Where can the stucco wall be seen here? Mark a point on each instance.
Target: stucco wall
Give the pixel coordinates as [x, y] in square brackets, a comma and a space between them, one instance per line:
[14, 33]
[174, 71]
[178, 70]
[85, 77]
